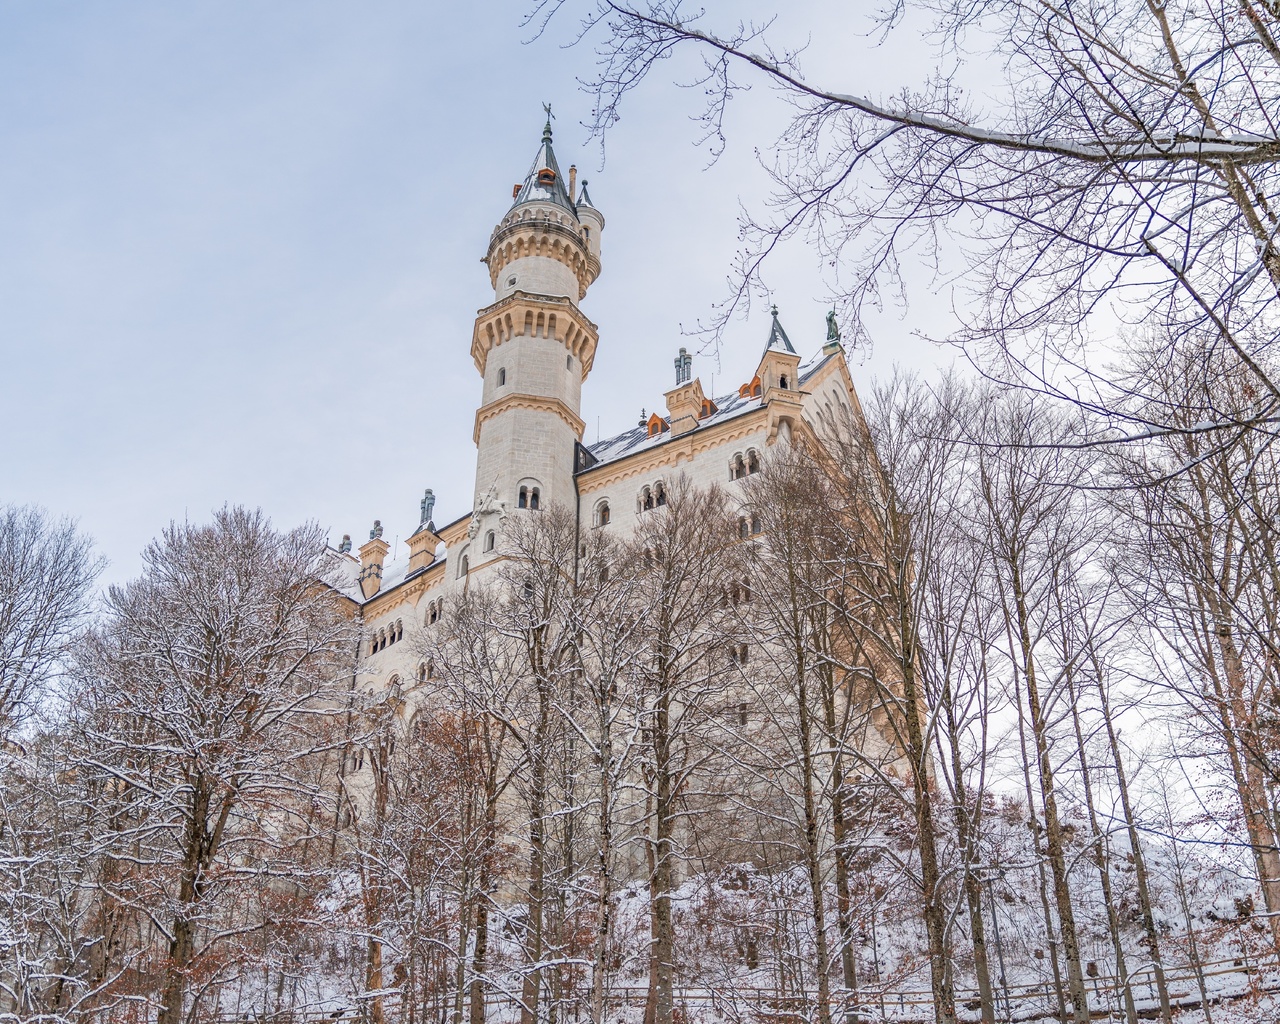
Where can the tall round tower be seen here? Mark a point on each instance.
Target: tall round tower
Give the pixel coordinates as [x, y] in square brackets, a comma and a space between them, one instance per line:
[533, 346]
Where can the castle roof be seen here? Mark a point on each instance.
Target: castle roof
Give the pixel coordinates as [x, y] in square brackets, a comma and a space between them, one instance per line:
[541, 187]
[729, 407]
[778, 337]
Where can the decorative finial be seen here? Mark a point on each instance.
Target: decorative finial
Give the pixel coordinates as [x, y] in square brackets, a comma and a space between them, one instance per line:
[546, 131]
[426, 506]
[345, 546]
[644, 417]
[774, 310]
[376, 532]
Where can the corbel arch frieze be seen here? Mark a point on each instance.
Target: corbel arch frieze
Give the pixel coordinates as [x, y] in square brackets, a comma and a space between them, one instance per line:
[541, 317]
[544, 238]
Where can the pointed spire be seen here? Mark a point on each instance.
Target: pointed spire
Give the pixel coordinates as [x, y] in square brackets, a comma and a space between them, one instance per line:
[777, 336]
[544, 182]
[583, 198]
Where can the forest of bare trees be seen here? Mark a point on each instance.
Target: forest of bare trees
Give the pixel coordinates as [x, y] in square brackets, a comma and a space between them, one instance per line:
[937, 718]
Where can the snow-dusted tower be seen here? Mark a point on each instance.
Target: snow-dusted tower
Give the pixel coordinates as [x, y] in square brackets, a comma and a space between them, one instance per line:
[533, 346]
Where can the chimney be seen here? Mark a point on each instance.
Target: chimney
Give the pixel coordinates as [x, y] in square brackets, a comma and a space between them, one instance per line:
[424, 540]
[573, 183]
[685, 400]
[372, 556]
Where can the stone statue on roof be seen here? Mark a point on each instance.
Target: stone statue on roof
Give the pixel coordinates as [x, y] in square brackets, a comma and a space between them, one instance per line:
[833, 329]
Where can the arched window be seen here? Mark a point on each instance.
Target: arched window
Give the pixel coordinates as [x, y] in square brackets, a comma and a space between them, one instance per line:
[527, 590]
[755, 526]
[393, 687]
[464, 566]
[744, 529]
[782, 382]
[489, 541]
[399, 630]
[659, 494]
[422, 672]
[535, 501]
[502, 376]
[737, 468]
[568, 362]
[646, 499]
[753, 461]
[602, 514]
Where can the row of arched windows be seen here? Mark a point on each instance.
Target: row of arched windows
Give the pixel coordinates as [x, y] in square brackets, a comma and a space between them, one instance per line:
[390, 635]
[435, 611]
[530, 498]
[748, 528]
[744, 465]
[651, 497]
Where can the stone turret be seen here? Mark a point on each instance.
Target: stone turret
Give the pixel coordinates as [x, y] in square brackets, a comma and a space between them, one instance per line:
[532, 345]
[779, 376]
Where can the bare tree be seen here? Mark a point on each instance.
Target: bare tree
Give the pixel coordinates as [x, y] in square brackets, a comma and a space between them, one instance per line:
[680, 552]
[1125, 165]
[208, 691]
[1203, 565]
[47, 571]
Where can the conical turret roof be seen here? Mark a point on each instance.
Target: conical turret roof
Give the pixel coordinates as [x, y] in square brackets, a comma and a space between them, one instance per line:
[544, 182]
[778, 337]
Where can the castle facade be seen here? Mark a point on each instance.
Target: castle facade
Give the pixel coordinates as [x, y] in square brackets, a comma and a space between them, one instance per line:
[533, 348]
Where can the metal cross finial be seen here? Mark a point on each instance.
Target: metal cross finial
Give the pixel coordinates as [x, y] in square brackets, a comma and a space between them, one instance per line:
[546, 130]
[774, 310]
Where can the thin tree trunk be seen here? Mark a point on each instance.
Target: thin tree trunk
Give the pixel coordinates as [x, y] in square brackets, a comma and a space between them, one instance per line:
[1049, 802]
[1100, 861]
[1139, 859]
[812, 839]
[1033, 824]
[966, 835]
[660, 1001]
[840, 837]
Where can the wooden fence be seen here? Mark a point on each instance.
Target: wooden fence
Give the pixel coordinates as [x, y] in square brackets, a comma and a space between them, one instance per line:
[1223, 979]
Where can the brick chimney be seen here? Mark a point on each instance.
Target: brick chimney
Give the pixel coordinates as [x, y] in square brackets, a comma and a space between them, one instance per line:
[372, 557]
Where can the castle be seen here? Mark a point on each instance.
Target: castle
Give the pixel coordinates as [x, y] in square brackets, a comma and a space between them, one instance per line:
[534, 349]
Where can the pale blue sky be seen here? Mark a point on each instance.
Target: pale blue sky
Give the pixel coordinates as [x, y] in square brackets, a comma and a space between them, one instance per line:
[240, 244]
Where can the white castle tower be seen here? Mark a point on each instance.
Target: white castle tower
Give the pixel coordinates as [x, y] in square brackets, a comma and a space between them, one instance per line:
[533, 346]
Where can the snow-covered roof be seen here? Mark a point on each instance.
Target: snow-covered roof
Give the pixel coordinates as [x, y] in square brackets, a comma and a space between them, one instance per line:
[346, 576]
[728, 407]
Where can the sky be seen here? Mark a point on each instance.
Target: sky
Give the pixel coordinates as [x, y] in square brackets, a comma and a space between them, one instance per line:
[240, 247]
